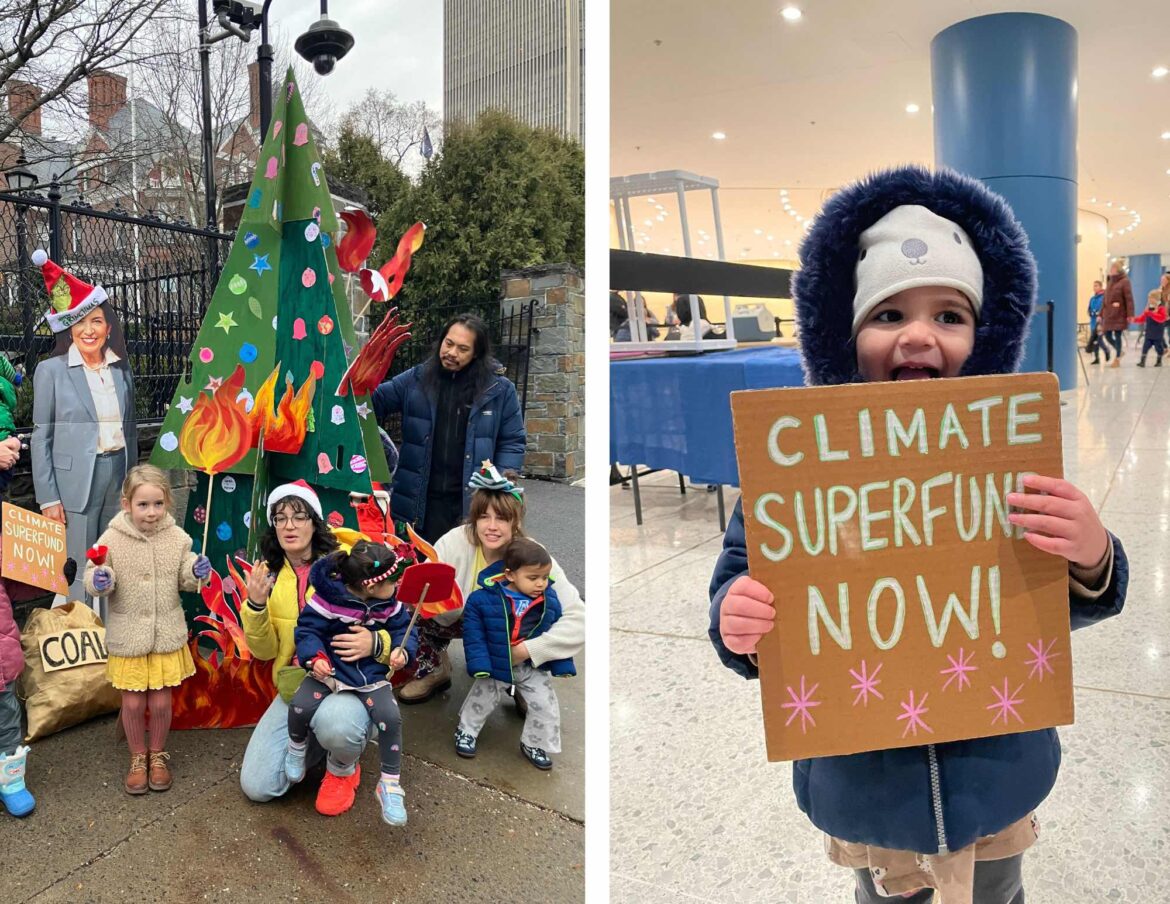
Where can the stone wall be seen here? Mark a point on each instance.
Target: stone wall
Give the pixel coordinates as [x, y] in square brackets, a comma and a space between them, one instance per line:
[555, 416]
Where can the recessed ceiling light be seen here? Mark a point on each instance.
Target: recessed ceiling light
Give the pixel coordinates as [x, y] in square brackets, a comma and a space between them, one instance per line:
[1123, 206]
[759, 231]
[1109, 235]
[770, 237]
[661, 218]
[651, 201]
[718, 136]
[775, 254]
[791, 13]
[788, 241]
[648, 222]
[783, 192]
[1166, 136]
[1159, 71]
[1108, 203]
[1092, 200]
[911, 108]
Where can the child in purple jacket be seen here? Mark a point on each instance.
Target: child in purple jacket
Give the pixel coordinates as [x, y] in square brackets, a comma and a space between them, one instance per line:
[15, 797]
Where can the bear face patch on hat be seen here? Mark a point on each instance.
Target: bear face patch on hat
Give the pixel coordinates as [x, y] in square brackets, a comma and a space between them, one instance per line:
[70, 299]
[912, 246]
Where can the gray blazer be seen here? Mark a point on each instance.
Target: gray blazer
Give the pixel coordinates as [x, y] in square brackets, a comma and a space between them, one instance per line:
[65, 436]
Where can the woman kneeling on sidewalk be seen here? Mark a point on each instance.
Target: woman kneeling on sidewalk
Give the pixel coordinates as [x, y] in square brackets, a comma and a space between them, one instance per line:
[495, 516]
[277, 590]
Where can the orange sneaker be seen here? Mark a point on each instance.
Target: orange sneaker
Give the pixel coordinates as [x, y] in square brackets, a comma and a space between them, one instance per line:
[337, 792]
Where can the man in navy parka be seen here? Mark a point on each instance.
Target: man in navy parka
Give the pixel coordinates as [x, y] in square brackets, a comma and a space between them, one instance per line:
[936, 798]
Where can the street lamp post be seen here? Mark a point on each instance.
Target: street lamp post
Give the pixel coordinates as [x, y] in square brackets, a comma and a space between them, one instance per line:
[21, 181]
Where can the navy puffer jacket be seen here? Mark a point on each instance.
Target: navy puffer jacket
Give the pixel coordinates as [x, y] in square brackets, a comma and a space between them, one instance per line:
[495, 430]
[884, 797]
[486, 642]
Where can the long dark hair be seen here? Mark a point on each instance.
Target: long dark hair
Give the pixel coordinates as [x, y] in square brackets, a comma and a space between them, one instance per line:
[322, 544]
[682, 307]
[115, 341]
[482, 368]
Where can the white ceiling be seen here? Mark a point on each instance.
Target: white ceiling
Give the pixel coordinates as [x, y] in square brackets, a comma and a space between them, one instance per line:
[811, 105]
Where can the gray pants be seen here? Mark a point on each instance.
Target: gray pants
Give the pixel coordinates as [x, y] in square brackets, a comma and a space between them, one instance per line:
[9, 720]
[542, 725]
[82, 529]
[996, 882]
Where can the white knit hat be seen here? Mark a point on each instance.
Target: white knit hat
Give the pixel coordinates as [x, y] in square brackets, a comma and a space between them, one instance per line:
[909, 247]
[300, 490]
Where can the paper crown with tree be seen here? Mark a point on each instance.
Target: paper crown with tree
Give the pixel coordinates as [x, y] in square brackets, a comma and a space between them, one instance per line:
[279, 323]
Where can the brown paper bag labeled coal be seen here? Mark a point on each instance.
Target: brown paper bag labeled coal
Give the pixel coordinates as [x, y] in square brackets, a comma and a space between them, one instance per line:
[64, 681]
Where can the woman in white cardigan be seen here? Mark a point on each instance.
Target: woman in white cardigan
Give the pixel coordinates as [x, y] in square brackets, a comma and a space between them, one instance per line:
[495, 516]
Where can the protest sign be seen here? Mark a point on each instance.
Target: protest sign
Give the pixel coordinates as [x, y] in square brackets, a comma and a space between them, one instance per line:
[908, 609]
[33, 548]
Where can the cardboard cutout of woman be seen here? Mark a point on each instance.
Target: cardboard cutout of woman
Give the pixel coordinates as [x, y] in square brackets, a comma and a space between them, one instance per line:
[85, 435]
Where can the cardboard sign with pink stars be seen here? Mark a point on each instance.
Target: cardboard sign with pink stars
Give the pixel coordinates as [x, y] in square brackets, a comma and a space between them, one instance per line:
[33, 548]
[909, 610]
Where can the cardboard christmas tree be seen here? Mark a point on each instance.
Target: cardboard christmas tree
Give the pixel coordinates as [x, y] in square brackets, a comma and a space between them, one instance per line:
[274, 344]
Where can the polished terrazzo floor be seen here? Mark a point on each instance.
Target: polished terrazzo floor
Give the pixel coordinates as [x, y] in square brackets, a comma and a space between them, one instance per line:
[699, 815]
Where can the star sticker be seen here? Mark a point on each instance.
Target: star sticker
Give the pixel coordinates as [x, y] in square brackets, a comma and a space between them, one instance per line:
[486, 463]
[214, 383]
[185, 404]
[363, 410]
[226, 322]
[260, 264]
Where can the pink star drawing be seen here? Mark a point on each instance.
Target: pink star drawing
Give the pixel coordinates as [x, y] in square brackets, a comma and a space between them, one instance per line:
[800, 705]
[912, 712]
[1006, 703]
[959, 669]
[1041, 655]
[214, 383]
[866, 684]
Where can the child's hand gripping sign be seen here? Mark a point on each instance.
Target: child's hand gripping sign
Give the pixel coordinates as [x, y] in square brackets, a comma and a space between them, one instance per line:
[908, 609]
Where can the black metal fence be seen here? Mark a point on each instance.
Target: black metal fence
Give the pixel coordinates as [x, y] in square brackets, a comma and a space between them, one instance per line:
[160, 277]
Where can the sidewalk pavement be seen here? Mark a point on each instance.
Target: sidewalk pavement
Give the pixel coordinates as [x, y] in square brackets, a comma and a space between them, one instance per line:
[489, 829]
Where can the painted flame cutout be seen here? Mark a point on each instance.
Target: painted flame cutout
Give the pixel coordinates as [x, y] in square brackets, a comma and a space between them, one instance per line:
[358, 242]
[384, 283]
[284, 430]
[218, 432]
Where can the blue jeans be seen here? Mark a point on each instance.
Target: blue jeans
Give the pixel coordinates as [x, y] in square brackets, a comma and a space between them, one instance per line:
[340, 730]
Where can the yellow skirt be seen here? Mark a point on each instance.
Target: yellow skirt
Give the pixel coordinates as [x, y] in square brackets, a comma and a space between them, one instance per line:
[150, 672]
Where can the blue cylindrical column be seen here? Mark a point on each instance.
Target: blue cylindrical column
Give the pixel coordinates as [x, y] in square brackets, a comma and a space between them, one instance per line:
[1005, 112]
[1145, 273]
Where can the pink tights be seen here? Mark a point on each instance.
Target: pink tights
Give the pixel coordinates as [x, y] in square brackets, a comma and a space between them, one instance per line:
[134, 707]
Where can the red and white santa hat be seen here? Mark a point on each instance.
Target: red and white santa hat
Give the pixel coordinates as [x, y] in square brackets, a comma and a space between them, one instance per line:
[298, 489]
[70, 299]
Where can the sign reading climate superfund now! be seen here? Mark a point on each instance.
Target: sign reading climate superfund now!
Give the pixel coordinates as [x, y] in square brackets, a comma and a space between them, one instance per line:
[908, 609]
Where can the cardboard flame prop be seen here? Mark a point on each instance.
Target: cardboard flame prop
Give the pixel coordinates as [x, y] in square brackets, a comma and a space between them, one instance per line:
[372, 363]
[230, 688]
[384, 283]
[285, 430]
[353, 250]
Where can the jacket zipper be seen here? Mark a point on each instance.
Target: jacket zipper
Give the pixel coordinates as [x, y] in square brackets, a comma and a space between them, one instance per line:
[511, 673]
[936, 799]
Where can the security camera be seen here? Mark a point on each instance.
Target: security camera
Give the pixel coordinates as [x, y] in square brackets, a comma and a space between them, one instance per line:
[324, 44]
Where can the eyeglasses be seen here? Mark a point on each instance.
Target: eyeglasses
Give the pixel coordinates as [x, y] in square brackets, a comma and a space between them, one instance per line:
[300, 519]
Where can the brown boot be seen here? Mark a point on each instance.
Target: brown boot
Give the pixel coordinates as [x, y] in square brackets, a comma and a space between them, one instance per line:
[136, 778]
[1116, 362]
[160, 772]
[422, 689]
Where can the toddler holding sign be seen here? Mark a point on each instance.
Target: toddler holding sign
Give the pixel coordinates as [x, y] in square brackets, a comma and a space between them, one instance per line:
[148, 561]
[911, 275]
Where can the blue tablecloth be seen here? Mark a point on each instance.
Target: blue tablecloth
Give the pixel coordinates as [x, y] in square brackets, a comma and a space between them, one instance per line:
[675, 413]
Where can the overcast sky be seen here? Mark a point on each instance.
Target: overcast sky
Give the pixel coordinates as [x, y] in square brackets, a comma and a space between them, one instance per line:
[398, 45]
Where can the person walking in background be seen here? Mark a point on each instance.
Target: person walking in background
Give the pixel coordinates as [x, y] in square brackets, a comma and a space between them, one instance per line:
[1154, 317]
[457, 411]
[1094, 344]
[1164, 294]
[1117, 309]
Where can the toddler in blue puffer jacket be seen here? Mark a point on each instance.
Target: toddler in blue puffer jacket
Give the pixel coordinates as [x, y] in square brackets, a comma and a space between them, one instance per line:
[912, 274]
[515, 602]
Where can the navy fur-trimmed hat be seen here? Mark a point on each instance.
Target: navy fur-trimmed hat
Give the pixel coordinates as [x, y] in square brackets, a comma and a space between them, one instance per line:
[824, 288]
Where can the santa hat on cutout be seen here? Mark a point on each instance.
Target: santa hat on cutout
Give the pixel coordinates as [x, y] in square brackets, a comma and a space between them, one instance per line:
[70, 299]
[298, 489]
